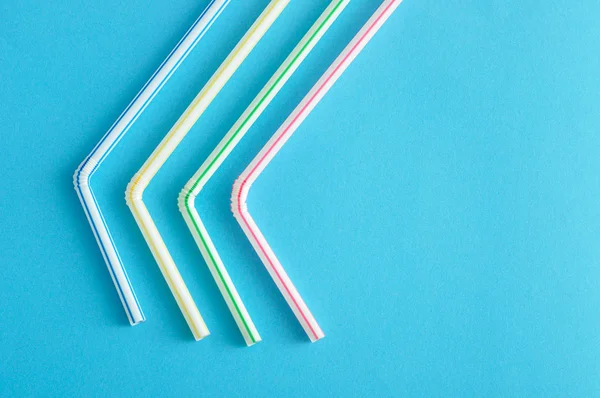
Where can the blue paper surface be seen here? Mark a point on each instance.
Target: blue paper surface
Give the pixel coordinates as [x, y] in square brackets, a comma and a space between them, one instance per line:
[438, 211]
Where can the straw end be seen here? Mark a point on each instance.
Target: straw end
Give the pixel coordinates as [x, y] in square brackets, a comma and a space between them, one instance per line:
[314, 339]
[250, 342]
[199, 337]
[137, 321]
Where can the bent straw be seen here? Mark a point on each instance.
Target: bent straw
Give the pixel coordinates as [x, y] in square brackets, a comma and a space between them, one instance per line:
[194, 186]
[144, 176]
[84, 173]
[242, 185]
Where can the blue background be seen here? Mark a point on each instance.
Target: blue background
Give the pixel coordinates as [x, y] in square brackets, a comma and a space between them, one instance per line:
[438, 210]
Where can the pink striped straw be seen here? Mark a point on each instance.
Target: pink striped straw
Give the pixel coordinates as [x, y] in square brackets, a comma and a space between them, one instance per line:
[242, 185]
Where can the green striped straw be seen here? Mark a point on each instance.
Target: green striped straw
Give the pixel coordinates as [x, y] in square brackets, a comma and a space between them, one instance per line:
[217, 157]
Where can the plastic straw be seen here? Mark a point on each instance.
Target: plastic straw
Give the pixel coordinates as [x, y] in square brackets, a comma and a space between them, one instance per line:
[84, 173]
[142, 178]
[242, 185]
[217, 157]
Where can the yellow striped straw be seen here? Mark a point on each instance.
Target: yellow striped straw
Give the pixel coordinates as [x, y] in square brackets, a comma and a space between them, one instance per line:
[143, 177]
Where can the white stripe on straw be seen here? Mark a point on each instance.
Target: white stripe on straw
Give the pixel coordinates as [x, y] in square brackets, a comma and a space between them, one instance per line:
[142, 178]
[217, 157]
[84, 173]
[242, 185]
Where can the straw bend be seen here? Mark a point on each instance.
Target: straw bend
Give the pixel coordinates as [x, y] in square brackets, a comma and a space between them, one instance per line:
[242, 185]
[84, 173]
[141, 180]
[194, 186]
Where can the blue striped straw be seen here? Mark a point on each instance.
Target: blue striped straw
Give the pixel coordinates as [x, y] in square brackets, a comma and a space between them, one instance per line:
[92, 162]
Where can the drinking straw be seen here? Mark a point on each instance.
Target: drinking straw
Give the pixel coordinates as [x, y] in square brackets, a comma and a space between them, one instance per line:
[144, 176]
[84, 173]
[242, 185]
[210, 166]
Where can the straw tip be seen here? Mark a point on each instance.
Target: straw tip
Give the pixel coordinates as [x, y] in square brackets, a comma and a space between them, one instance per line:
[314, 339]
[201, 336]
[200, 331]
[250, 343]
[137, 321]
